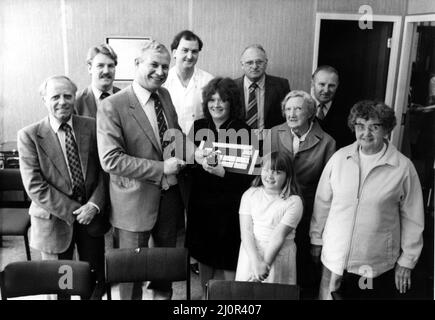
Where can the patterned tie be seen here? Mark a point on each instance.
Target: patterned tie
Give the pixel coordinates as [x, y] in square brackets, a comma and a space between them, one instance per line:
[161, 122]
[104, 95]
[72, 154]
[252, 113]
[321, 111]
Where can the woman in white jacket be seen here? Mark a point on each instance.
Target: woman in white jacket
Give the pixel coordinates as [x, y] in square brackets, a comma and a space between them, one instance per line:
[368, 214]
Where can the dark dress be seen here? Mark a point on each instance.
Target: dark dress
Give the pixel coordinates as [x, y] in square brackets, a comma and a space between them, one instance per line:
[213, 231]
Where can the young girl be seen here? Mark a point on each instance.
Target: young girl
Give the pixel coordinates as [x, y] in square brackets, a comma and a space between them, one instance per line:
[269, 213]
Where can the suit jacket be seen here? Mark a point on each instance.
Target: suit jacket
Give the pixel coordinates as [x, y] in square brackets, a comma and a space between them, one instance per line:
[335, 124]
[85, 102]
[275, 90]
[45, 176]
[314, 152]
[130, 153]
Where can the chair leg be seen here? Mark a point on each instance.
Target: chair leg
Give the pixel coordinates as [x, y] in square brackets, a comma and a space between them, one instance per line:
[109, 291]
[26, 244]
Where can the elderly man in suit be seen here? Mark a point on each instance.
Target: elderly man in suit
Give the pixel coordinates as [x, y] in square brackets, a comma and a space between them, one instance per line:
[261, 93]
[61, 173]
[331, 114]
[144, 186]
[102, 61]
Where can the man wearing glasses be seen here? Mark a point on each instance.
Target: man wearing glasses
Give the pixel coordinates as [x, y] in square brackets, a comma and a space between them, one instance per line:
[261, 93]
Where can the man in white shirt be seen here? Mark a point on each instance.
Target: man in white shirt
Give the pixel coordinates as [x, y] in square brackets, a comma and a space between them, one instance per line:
[185, 80]
[101, 61]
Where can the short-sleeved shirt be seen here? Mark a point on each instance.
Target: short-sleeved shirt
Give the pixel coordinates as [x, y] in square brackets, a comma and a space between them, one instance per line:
[267, 211]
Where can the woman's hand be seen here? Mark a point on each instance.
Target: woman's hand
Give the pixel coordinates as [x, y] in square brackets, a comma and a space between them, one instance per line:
[216, 170]
[261, 270]
[402, 278]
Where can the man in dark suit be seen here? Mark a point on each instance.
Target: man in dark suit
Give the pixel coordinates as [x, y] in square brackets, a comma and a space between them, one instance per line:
[61, 173]
[102, 61]
[261, 93]
[144, 185]
[331, 113]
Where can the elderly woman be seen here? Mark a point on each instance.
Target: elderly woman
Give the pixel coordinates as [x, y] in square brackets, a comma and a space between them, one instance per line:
[368, 212]
[310, 148]
[213, 232]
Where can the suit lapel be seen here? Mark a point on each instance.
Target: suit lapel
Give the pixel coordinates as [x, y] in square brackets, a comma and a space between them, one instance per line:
[139, 115]
[268, 93]
[51, 146]
[242, 91]
[286, 137]
[82, 140]
[90, 100]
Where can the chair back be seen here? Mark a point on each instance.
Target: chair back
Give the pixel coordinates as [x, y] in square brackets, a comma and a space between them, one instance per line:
[244, 290]
[147, 264]
[10, 180]
[62, 277]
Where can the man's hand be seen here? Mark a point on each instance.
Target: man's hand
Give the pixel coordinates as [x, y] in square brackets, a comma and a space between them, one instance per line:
[173, 166]
[402, 278]
[315, 251]
[85, 213]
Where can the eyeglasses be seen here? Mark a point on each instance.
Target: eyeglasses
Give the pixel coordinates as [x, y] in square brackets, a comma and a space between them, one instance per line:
[250, 63]
[374, 127]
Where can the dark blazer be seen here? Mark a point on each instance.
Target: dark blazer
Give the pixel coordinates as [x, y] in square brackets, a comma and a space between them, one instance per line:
[130, 153]
[276, 89]
[85, 102]
[45, 176]
[335, 124]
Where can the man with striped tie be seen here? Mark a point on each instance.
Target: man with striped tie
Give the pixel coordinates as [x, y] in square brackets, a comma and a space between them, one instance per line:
[101, 61]
[144, 183]
[261, 93]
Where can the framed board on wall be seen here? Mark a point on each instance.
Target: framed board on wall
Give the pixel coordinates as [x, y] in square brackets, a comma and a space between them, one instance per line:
[126, 49]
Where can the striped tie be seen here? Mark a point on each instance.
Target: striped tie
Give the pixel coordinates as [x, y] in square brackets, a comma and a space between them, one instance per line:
[251, 116]
[161, 122]
[75, 167]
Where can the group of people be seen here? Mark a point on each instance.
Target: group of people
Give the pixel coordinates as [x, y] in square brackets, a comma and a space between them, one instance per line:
[104, 158]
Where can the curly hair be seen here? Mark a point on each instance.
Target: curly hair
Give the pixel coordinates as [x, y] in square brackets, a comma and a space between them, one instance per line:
[228, 91]
[372, 109]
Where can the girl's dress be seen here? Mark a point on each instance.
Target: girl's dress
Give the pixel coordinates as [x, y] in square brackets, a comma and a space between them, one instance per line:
[267, 211]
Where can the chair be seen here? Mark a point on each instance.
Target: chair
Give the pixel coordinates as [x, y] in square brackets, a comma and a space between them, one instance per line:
[147, 264]
[14, 216]
[62, 277]
[243, 290]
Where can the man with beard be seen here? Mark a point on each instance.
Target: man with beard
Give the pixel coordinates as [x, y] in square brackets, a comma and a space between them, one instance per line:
[102, 61]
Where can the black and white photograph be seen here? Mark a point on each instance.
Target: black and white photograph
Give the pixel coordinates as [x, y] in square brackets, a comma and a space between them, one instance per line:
[240, 151]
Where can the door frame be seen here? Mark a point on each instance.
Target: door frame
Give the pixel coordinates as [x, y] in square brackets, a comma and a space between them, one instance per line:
[404, 77]
[394, 50]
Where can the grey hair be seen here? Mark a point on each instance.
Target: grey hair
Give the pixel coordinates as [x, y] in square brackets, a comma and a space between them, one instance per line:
[254, 46]
[148, 45]
[309, 102]
[43, 86]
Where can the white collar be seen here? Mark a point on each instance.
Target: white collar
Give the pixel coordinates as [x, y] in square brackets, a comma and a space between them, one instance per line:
[97, 92]
[141, 93]
[260, 83]
[55, 124]
[302, 137]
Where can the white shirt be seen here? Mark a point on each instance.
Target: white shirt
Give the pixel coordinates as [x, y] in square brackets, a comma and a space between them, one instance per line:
[297, 140]
[97, 94]
[143, 95]
[55, 125]
[259, 92]
[187, 100]
[368, 161]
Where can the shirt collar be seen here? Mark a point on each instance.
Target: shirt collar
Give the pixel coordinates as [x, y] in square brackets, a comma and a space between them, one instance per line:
[260, 83]
[55, 124]
[327, 105]
[302, 137]
[141, 93]
[97, 92]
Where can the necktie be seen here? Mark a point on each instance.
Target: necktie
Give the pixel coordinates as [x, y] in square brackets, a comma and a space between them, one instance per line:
[104, 95]
[321, 111]
[251, 116]
[72, 154]
[161, 122]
